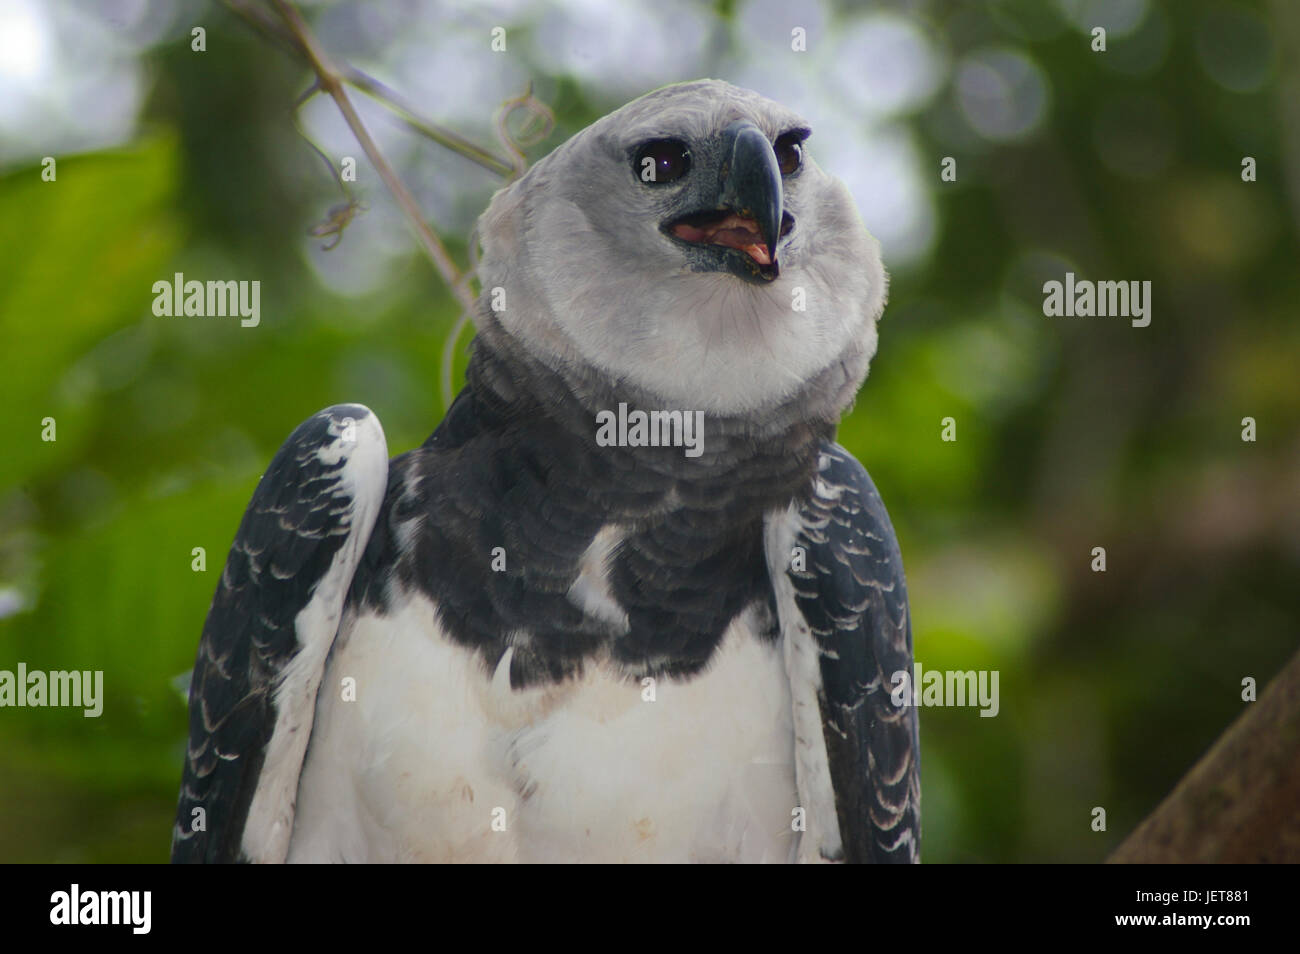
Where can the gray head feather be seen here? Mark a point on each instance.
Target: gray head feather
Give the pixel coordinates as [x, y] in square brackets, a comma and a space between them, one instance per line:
[594, 287]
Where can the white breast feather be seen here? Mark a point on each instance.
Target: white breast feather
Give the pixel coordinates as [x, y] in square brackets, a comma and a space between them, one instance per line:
[435, 750]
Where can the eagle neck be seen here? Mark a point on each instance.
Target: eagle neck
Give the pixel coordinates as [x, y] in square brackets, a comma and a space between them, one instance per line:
[774, 452]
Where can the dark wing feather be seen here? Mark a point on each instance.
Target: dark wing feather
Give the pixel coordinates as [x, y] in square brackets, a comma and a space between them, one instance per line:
[302, 513]
[854, 599]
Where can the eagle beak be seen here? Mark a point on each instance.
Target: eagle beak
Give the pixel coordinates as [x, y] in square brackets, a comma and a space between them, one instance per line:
[746, 214]
[751, 183]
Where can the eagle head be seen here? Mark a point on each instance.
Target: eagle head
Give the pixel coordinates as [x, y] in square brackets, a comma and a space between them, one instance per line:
[689, 247]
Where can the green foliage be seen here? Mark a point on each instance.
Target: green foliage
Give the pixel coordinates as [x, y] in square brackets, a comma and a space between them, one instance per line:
[75, 250]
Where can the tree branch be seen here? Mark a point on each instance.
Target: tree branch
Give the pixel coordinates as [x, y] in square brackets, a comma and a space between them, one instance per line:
[276, 33]
[1241, 801]
[439, 134]
[331, 82]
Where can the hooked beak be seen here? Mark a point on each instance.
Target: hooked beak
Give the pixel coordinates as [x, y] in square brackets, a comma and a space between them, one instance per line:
[748, 216]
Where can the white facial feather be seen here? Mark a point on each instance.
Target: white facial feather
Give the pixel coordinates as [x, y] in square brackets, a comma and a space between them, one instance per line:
[591, 281]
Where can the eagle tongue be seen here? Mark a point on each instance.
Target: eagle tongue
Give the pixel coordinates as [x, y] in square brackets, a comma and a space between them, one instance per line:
[734, 231]
[739, 232]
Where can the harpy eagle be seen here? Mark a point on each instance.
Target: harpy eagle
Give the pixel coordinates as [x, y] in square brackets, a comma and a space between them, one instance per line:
[519, 642]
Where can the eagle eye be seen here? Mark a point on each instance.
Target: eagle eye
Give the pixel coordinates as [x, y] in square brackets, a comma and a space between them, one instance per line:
[789, 152]
[661, 161]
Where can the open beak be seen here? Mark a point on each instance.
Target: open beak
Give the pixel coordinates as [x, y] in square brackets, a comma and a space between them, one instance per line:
[748, 215]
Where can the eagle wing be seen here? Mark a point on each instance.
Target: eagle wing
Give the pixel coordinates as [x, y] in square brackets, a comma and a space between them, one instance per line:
[852, 597]
[273, 620]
